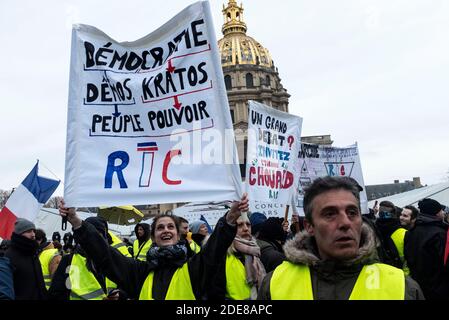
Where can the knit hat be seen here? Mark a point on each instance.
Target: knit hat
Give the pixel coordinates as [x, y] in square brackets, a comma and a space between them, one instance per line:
[23, 225]
[429, 206]
[195, 226]
[256, 219]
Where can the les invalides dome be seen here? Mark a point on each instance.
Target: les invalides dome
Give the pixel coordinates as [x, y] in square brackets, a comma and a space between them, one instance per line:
[249, 74]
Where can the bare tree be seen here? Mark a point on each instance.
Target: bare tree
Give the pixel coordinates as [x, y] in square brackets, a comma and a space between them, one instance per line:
[4, 196]
[53, 202]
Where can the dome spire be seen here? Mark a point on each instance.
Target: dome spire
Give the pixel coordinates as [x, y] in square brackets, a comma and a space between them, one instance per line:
[233, 18]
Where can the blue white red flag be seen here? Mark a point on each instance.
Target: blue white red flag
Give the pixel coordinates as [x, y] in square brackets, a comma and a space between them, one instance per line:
[26, 201]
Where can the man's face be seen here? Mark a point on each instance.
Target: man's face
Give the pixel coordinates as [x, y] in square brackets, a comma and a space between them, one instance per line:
[337, 224]
[29, 234]
[183, 229]
[165, 233]
[406, 217]
[244, 229]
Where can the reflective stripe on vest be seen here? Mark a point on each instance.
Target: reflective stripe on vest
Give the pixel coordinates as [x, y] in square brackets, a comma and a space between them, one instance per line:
[236, 286]
[45, 258]
[83, 284]
[375, 282]
[119, 245]
[140, 252]
[180, 287]
[194, 247]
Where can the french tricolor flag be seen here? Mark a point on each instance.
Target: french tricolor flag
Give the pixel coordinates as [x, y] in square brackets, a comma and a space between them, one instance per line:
[26, 201]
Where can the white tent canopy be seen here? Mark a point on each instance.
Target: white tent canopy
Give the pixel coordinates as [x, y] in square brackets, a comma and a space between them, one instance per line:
[50, 221]
[438, 192]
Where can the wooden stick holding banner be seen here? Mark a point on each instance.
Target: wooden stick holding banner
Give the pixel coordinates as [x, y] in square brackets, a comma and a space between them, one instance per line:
[286, 212]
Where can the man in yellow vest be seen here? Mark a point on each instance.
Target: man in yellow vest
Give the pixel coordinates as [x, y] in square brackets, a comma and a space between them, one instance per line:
[390, 235]
[49, 256]
[335, 257]
[143, 241]
[186, 235]
[80, 278]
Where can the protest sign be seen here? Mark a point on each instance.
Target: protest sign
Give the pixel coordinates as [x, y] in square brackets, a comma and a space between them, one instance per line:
[319, 161]
[273, 139]
[148, 121]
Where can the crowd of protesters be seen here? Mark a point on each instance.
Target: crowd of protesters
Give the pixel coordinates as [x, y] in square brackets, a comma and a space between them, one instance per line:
[330, 253]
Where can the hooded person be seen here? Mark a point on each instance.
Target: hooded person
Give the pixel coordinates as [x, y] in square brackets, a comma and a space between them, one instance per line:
[143, 241]
[200, 234]
[23, 255]
[256, 219]
[86, 278]
[270, 239]
[424, 250]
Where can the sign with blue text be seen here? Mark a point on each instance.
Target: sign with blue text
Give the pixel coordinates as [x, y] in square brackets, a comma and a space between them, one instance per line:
[148, 121]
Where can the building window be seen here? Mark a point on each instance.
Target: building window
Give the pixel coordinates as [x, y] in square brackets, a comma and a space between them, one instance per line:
[249, 80]
[268, 81]
[228, 82]
[232, 115]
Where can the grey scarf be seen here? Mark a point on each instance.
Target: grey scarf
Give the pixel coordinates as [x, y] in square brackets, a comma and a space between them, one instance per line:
[255, 271]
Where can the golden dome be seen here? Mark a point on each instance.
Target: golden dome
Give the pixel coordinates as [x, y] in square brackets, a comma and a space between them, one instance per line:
[236, 47]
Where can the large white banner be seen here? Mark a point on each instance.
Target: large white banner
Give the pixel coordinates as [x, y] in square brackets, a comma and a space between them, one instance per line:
[273, 140]
[319, 161]
[148, 121]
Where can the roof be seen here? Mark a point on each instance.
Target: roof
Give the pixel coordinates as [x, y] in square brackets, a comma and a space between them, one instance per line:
[438, 192]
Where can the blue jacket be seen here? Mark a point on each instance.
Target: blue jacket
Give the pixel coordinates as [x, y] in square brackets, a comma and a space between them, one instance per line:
[6, 280]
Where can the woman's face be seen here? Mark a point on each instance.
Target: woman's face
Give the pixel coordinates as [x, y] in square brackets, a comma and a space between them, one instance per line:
[203, 230]
[165, 233]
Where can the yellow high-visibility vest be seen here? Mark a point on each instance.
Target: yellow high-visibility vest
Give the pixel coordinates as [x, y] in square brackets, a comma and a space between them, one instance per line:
[140, 252]
[45, 258]
[83, 284]
[180, 287]
[236, 286]
[119, 245]
[375, 282]
[398, 239]
[194, 247]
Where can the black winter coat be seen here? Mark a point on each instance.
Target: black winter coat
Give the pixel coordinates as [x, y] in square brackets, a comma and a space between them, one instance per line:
[28, 279]
[424, 253]
[271, 254]
[130, 274]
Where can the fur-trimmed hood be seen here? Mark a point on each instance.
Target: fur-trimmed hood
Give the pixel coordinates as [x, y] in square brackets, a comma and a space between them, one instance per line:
[302, 249]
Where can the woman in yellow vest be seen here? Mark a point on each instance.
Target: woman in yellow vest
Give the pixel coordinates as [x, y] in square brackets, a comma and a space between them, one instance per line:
[78, 277]
[335, 257]
[171, 271]
[240, 276]
[143, 241]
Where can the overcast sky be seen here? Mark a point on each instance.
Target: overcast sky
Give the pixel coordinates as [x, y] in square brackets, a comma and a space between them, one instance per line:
[371, 71]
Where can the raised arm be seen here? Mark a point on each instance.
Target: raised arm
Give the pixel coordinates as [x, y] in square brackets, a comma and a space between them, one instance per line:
[127, 273]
